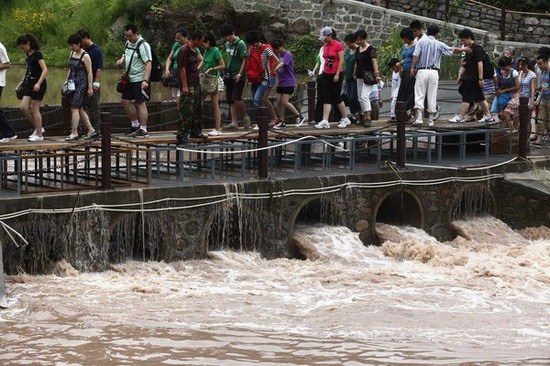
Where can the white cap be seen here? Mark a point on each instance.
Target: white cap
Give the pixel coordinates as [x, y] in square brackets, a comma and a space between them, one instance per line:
[324, 33]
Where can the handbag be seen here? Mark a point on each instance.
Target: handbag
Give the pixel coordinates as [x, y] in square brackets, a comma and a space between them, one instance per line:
[209, 83]
[124, 79]
[369, 78]
[68, 87]
[20, 90]
[122, 83]
[172, 81]
[221, 85]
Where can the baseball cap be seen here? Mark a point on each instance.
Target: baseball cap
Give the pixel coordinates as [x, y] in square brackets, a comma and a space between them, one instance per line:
[324, 33]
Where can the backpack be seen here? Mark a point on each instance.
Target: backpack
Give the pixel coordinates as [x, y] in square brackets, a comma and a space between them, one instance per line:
[488, 67]
[256, 69]
[156, 65]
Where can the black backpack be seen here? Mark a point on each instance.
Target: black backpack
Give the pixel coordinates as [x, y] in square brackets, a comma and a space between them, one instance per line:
[156, 65]
[488, 67]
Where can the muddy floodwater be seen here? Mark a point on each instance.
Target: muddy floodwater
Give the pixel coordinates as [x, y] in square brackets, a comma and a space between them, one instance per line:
[482, 299]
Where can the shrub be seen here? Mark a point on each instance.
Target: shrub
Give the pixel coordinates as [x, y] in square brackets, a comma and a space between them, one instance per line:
[305, 49]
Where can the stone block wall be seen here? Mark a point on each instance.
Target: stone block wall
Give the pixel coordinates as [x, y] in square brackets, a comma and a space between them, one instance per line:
[297, 17]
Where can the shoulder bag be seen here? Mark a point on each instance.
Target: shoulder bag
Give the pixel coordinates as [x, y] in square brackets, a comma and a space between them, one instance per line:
[124, 79]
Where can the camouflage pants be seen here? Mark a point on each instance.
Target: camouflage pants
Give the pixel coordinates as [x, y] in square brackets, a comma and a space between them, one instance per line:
[190, 113]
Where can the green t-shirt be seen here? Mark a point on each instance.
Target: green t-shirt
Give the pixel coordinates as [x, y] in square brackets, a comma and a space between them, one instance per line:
[235, 53]
[176, 47]
[211, 60]
[349, 57]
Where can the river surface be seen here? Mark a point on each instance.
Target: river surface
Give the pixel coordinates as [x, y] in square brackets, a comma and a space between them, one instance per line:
[482, 299]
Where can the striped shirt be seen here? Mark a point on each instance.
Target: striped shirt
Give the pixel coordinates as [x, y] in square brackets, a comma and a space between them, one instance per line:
[525, 83]
[429, 51]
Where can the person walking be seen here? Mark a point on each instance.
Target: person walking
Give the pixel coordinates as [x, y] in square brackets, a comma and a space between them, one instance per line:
[471, 80]
[81, 77]
[137, 60]
[543, 125]
[366, 73]
[171, 67]
[260, 60]
[190, 111]
[425, 67]
[213, 64]
[527, 87]
[287, 84]
[350, 82]
[235, 76]
[330, 81]
[96, 55]
[406, 87]
[394, 66]
[506, 102]
[34, 83]
[6, 129]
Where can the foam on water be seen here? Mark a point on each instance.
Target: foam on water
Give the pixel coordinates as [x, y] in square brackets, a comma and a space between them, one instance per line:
[413, 300]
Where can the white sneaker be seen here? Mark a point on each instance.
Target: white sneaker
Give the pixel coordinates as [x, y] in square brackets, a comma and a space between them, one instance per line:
[323, 124]
[34, 138]
[454, 119]
[7, 139]
[344, 122]
[214, 133]
[457, 119]
[302, 121]
[431, 122]
[34, 132]
[486, 119]
[256, 128]
[279, 125]
[418, 121]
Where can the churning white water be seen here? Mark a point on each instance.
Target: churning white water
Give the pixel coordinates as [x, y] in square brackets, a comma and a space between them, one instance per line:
[483, 298]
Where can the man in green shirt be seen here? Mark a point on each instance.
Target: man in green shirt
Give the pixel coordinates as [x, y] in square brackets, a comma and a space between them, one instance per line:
[235, 76]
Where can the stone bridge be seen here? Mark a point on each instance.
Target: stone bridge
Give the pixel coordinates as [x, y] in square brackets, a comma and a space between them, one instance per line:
[92, 229]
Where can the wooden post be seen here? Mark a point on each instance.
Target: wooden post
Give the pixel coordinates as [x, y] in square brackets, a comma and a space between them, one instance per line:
[106, 128]
[262, 119]
[311, 96]
[401, 116]
[503, 24]
[524, 121]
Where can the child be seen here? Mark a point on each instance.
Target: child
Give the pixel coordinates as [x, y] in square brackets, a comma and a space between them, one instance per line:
[375, 101]
[395, 84]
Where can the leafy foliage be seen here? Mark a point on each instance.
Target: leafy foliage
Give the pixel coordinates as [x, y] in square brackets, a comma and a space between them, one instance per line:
[304, 49]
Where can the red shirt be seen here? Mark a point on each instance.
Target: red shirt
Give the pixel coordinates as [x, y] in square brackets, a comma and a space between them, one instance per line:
[188, 60]
[330, 54]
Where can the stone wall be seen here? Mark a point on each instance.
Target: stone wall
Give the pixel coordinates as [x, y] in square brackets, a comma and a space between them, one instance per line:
[298, 17]
[518, 27]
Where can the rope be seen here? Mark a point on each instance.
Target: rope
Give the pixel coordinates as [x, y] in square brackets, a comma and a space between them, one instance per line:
[251, 196]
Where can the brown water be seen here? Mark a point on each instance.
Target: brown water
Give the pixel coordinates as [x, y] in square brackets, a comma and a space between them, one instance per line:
[413, 300]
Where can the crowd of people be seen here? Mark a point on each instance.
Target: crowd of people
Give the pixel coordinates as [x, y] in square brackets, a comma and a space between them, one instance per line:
[348, 81]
